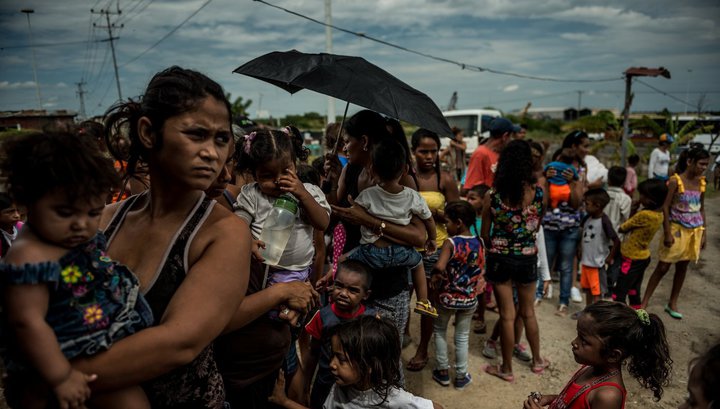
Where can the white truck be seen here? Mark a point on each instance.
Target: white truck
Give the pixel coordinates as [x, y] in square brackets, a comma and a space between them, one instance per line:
[473, 122]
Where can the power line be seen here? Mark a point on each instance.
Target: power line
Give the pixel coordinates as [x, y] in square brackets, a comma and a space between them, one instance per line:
[171, 32]
[462, 65]
[664, 93]
[9, 47]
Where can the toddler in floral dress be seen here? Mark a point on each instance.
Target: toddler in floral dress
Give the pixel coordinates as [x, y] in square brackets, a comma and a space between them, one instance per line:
[63, 298]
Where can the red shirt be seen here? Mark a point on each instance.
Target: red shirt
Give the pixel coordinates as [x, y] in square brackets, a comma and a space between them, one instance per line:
[481, 168]
[315, 326]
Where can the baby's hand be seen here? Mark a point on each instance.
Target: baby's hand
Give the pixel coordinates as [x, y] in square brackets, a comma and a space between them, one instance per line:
[74, 390]
[430, 247]
[256, 246]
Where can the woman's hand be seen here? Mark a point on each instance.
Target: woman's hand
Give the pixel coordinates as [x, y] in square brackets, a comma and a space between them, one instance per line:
[72, 392]
[354, 214]
[430, 247]
[300, 296]
[568, 175]
[278, 396]
[546, 286]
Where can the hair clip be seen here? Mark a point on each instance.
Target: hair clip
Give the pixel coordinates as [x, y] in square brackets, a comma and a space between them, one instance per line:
[248, 141]
[287, 131]
[643, 316]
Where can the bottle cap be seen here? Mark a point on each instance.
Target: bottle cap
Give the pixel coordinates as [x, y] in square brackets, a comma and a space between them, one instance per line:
[287, 202]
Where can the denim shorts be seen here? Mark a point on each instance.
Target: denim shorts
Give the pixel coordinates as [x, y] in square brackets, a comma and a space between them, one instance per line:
[502, 268]
[394, 255]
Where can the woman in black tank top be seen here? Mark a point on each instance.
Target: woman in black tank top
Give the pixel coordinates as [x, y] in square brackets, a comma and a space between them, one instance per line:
[190, 256]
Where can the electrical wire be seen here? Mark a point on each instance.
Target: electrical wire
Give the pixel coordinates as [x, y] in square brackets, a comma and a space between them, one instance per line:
[171, 32]
[664, 93]
[462, 65]
[9, 47]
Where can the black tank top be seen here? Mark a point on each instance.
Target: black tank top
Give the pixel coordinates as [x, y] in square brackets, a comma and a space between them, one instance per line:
[197, 384]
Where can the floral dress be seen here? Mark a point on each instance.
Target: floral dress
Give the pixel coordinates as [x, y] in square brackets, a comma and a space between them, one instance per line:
[94, 301]
[515, 229]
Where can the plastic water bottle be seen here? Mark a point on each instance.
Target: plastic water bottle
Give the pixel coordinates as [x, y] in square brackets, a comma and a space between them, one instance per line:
[277, 228]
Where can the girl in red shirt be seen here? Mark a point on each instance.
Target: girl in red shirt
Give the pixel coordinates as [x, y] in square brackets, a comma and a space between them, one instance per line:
[610, 333]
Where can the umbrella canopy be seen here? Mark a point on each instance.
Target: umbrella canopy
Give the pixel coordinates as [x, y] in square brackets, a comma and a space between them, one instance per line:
[352, 79]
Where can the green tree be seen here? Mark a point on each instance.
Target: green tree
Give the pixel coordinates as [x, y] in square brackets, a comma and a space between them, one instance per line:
[238, 107]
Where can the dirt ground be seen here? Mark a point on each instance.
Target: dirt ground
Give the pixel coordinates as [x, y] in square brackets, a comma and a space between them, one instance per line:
[689, 337]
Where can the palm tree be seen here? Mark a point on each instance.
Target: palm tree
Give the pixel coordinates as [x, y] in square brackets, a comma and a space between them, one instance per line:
[239, 107]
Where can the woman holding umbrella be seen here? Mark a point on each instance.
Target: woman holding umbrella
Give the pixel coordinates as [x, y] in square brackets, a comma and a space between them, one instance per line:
[363, 130]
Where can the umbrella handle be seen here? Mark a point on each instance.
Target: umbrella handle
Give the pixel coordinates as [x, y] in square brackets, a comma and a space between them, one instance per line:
[342, 125]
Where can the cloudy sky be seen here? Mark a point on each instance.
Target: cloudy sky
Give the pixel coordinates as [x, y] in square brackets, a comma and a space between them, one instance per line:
[556, 39]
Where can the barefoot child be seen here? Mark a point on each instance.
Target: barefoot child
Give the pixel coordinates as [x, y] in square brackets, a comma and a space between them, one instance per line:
[272, 158]
[684, 225]
[458, 277]
[366, 366]
[639, 231]
[608, 334]
[350, 289]
[598, 246]
[63, 298]
[392, 202]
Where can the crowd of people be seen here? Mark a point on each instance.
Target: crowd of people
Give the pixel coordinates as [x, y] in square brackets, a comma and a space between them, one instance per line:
[139, 274]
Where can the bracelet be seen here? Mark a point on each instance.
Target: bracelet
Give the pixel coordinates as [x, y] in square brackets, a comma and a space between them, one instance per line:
[380, 228]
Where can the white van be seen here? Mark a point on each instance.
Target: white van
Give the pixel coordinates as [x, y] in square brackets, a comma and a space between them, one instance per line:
[473, 122]
[706, 140]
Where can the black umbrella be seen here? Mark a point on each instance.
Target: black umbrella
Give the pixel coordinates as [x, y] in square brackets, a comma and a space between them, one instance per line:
[352, 79]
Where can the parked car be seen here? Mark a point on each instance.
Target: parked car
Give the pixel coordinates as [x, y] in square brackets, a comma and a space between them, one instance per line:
[473, 122]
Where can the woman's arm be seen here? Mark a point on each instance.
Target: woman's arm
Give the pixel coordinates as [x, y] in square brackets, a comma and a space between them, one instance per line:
[449, 187]
[413, 234]
[197, 313]
[296, 295]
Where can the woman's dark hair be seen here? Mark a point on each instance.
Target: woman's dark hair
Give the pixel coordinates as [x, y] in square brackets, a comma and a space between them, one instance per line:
[709, 367]
[265, 145]
[372, 345]
[376, 127]
[693, 154]
[462, 211]
[643, 344]
[171, 92]
[654, 189]
[514, 172]
[574, 139]
[421, 134]
[39, 163]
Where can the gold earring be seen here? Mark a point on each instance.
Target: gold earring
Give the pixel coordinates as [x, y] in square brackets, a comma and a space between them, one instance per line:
[365, 148]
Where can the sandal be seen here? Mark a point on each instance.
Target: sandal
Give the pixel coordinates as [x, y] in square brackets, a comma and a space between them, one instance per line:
[562, 310]
[673, 313]
[539, 369]
[416, 365]
[480, 327]
[495, 370]
[423, 307]
[492, 307]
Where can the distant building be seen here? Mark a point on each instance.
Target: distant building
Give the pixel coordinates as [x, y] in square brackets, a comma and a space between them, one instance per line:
[564, 114]
[37, 119]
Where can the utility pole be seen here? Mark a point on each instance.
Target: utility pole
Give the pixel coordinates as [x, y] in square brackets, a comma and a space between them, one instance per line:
[37, 84]
[579, 102]
[328, 49]
[81, 93]
[629, 74]
[109, 27]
